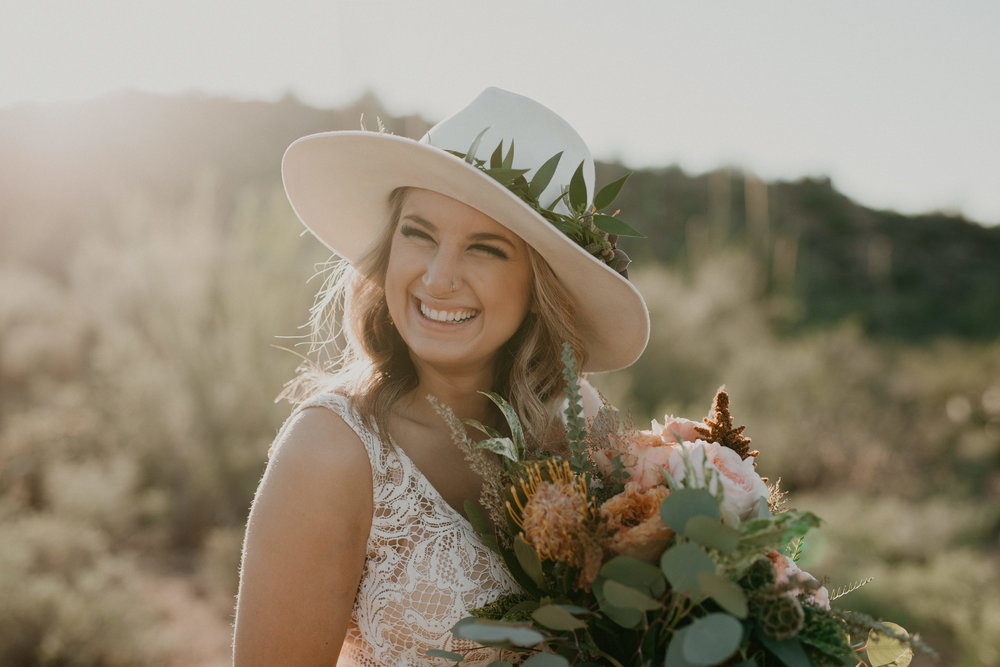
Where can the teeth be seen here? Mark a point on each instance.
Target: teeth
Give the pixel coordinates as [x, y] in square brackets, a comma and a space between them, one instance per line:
[446, 316]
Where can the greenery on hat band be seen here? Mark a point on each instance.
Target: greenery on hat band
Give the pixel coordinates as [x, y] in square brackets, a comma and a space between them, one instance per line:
[595, 232]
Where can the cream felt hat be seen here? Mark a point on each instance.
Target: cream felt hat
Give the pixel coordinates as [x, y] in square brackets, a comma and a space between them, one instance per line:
[339, 185]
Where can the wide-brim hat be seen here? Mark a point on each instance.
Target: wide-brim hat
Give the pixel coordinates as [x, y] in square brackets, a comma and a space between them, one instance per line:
[339, 185]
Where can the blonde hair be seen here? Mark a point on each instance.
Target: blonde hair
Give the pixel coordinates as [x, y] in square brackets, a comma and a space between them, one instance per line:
[355, 347]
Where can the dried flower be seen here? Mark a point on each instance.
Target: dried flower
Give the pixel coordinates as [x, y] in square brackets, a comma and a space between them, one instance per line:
[558, 518]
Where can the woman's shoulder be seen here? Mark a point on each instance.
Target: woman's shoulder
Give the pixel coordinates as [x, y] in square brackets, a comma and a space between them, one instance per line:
[320, 434]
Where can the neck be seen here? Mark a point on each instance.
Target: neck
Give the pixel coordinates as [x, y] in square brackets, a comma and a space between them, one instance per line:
[459, 391]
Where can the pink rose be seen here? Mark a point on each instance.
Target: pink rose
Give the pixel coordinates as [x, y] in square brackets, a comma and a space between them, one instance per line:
[675, 428]
[644, 456]
[785, 570]
[742, 486]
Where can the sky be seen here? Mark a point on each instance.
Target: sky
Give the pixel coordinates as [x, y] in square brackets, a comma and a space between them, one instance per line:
[897, 101]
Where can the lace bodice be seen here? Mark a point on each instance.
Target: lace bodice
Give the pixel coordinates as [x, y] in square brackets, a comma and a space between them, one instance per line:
[425, 566]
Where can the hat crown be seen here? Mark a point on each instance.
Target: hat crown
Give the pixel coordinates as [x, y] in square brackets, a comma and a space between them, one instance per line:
[537, 133]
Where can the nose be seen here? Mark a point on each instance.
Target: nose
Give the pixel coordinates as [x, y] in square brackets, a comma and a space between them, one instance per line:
[442, 276]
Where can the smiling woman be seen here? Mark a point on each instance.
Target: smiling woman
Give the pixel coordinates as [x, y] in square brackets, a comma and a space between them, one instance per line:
[357, 549]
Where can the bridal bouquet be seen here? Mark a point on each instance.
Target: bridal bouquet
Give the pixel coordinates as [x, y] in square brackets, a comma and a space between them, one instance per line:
[653, 547]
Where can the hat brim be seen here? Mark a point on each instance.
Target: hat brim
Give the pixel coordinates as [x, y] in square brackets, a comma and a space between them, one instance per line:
[339, 184]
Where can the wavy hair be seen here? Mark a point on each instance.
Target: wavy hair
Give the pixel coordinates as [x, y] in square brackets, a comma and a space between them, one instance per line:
[355, 347]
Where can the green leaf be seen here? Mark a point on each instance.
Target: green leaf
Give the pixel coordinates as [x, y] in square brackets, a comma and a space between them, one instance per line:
[627, 597]
[470, 155]
[789, 651]
[496, 159]
[543, 176]
[675, 651]
[556, 617]
[500, 663]
[438, 653]
[611, 225]
[528, 560]
[476, 518]
[504, 175]
[508, 161]
[496, 633]
[709, 532]
[681, 565]
[626, 617]
[609, 192]
[729, 595]
[770, 533]
[503, 446]
[483, 428]
[578, 191]
[546, 660]
[712, 638]
[513, 421]
[635, 573]
[683, 504]
[884, 650]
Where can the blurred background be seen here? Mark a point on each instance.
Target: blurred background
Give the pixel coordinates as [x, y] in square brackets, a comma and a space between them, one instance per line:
[818, 188]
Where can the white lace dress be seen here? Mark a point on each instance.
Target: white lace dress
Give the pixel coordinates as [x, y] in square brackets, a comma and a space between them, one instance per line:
[425, 566]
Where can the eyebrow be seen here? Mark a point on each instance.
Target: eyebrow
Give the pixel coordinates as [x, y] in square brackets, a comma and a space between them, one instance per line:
[478, 236]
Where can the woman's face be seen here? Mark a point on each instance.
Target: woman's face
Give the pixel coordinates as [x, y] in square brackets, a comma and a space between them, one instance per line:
[458, 283]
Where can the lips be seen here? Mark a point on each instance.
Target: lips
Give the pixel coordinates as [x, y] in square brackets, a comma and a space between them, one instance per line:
[456, 316]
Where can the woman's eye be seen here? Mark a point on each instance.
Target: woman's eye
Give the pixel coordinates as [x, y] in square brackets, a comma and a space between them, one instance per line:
[415, 233]
[490, 250]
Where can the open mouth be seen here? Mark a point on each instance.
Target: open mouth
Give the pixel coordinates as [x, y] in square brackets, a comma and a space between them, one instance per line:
[448, 316]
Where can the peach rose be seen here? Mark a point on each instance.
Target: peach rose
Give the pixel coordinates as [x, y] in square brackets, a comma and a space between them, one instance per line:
[741, 485]
[677, 427]
[644, 455]
[786, 570]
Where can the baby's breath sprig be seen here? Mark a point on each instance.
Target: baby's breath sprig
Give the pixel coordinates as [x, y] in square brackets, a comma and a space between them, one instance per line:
[588, 227]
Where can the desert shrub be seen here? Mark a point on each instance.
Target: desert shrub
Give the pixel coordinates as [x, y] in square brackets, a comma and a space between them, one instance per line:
[67, 600]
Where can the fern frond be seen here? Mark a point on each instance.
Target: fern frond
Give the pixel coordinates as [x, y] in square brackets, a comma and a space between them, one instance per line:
[850, 588]
[576, 428]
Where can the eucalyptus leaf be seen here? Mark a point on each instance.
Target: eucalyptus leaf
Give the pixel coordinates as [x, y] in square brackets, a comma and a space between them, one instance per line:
[448, 655]
[543, 176]
[513, 422]
[500, 663]
[727, 594]
[496, 633]
[681, 565]
[624, 616]
[635, 573]
[789, 651]
[556, 617]
[627, 597]
[613, 225]
[711, 533]
[712, 638]
[675, 651]
[528, 560]
[546, 660]
[884, 650]
[578, 191]
[682, 504]
[606, 195]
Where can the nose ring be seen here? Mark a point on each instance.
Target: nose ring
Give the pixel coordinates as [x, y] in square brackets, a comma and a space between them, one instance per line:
[453, 286]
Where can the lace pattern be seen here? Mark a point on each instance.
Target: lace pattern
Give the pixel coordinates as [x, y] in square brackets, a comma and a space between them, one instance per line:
[425, 566]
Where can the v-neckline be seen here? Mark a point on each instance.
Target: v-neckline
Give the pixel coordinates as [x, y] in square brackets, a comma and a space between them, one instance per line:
[433, 490]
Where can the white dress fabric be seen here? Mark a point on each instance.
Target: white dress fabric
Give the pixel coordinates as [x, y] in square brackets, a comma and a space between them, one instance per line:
[425, 566]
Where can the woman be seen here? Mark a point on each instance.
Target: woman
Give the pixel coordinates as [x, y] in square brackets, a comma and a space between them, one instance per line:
[356, 544]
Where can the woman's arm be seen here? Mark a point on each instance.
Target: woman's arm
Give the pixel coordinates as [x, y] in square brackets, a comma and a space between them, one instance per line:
[305, 545]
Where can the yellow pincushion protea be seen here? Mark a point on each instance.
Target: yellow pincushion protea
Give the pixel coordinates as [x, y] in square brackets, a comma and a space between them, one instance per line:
[557, 517]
